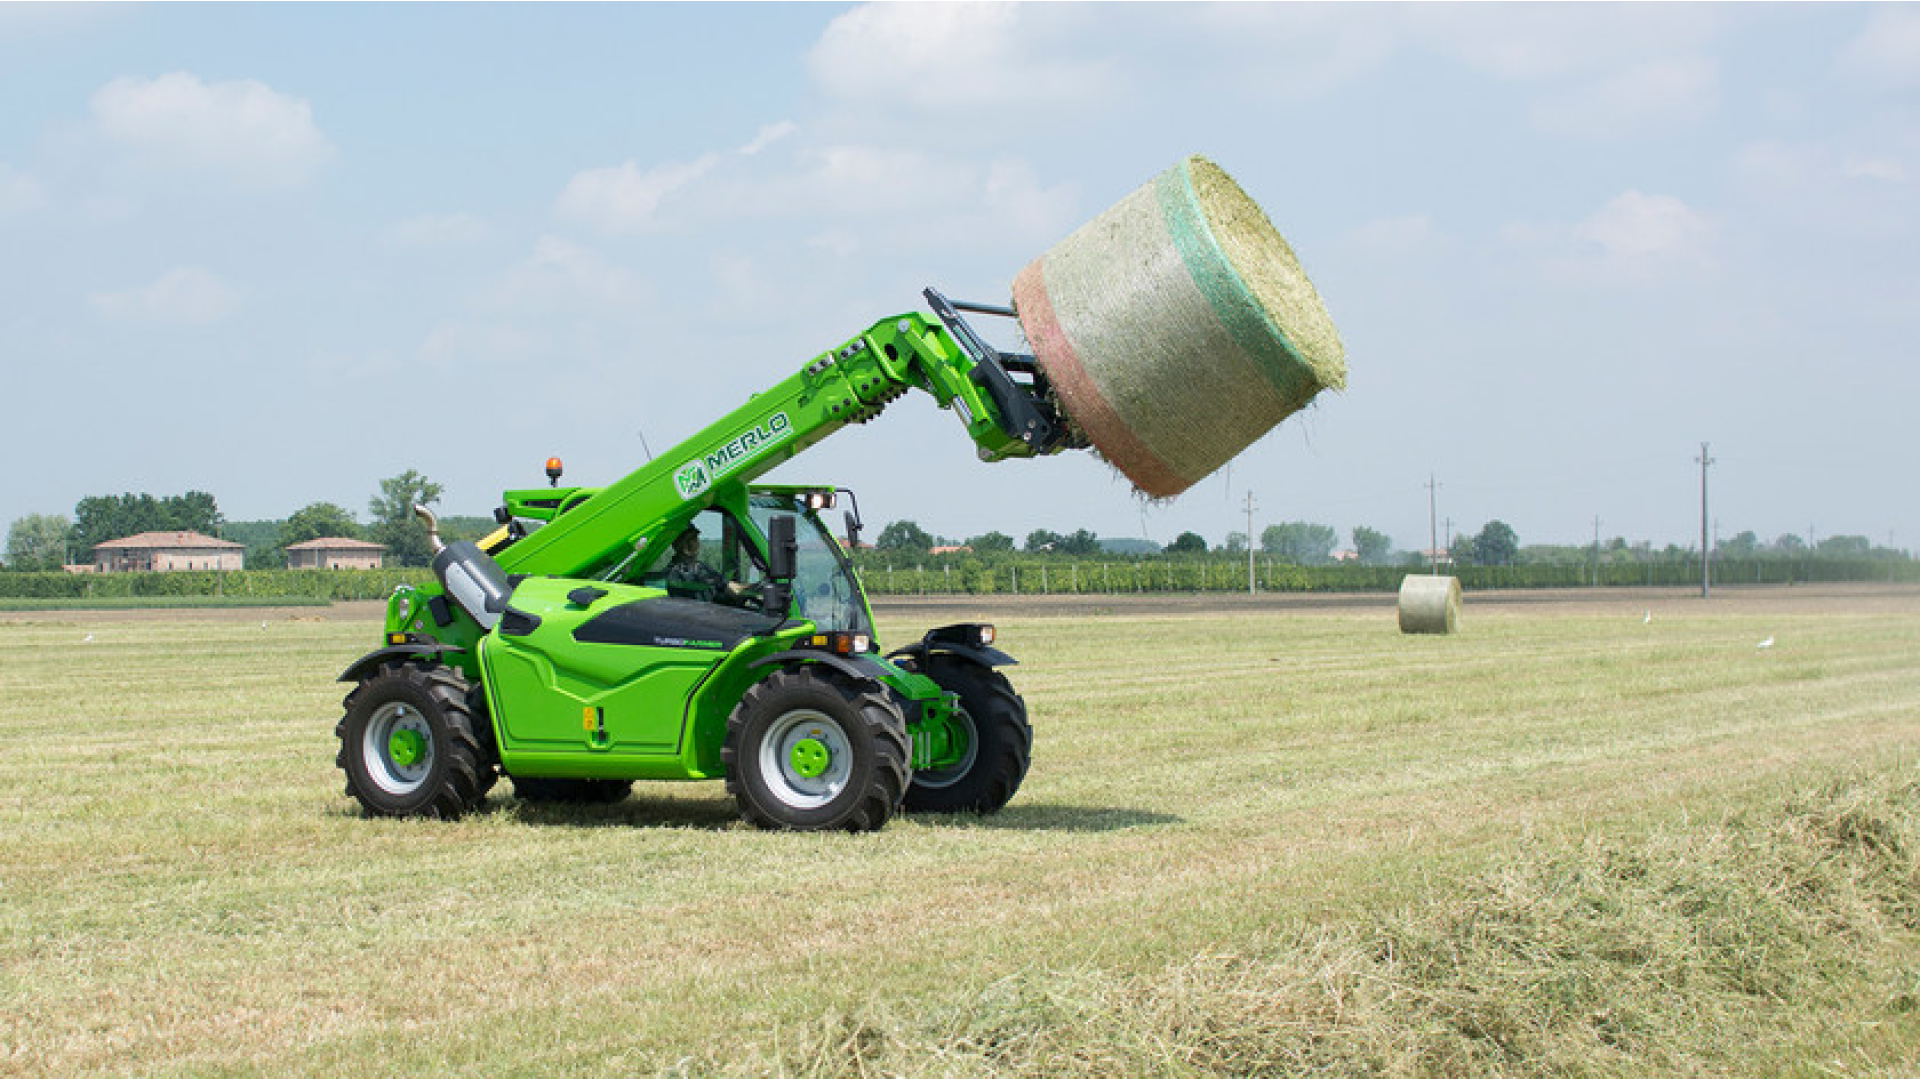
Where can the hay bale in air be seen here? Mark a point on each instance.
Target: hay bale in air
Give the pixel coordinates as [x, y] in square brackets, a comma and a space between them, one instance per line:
[1429, 604]
[1178, 327]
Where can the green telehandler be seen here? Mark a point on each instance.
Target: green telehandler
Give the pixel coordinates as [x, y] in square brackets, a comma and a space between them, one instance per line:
[685, 623]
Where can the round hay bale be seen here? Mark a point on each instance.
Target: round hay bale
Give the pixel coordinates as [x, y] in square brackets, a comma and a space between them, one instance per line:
[1429, 604]
[1177, 328]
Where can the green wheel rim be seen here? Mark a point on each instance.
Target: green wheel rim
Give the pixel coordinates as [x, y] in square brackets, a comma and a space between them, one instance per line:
[398, 748]
[406, 747]
[809, 759]
[806, 758]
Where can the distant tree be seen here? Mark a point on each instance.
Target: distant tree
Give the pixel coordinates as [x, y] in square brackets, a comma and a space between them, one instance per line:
[1236, 543]
[38, 542]
[316, 520]
[992, 541]
[1460, 552]
[904, 537]
[1496, 545]
[100, 518]
[1082, 542]
[1040, 540]
[1188, 543]
[1789, 544]
[1372, 545]
[394, 523]
[196, 511]
[1299, 541]
[1845, 547]
[1739, 547]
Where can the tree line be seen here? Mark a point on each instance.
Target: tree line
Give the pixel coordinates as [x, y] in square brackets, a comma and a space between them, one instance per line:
[1300, 542]
[1311, 544]
[50, 541]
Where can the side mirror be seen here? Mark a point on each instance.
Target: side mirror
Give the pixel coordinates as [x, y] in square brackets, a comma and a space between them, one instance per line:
[783, 557]
[783, 548]
[853, 531]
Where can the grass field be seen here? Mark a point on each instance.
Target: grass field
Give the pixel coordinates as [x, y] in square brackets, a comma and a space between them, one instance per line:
[1256, 839]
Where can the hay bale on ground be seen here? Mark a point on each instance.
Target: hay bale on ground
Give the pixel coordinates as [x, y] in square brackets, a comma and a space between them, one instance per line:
[1178, 327]
[1429, 604]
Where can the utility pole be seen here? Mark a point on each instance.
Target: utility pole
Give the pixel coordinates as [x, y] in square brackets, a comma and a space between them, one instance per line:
[1448, 522]
[1250, 580]
[1596, 550]
[1706, 553]
[1433, 522]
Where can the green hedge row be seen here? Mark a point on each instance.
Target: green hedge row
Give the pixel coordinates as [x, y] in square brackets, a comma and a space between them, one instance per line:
[1033, 576]
[1017, 574]
[312, 584]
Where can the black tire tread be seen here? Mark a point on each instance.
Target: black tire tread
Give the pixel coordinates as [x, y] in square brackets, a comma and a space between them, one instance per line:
[885, 725]
[460, 785]
[1000, 716]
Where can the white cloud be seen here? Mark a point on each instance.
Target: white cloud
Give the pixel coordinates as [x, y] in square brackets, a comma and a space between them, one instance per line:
[959, 56]
[1829, 190]
[769, 135]
[837, 188]
[244, 129]
[438, 230]
[1635, 239]
[562, 277]
[1858, 167]
[1535, 42]
[625, 198]
[19, 192]
[1887, 52]
[1654, 97]
[183, 296]
[1635, 225]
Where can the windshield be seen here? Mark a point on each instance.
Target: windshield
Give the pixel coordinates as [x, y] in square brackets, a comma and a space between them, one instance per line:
[823, 584]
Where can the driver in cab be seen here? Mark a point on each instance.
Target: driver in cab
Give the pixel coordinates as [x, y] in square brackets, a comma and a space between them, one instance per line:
[689, 576]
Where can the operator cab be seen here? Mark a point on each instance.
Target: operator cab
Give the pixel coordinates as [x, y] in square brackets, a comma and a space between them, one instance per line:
[714, 559]
[824, 587]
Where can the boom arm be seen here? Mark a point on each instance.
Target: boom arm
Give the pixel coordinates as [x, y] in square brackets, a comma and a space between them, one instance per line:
[849, 384]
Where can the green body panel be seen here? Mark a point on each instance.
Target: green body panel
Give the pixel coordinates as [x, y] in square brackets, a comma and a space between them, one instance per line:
[564, 707]
[408, 612]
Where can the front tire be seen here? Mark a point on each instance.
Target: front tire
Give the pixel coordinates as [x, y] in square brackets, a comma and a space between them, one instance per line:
[409, 743]
[1002, 742]
[809, 748]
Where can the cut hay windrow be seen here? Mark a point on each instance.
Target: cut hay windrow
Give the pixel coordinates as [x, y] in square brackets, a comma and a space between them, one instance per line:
[1178, 327]
[1429, 604]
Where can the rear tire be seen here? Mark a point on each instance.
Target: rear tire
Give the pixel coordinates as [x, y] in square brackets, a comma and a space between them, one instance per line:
[1003, 741]
[409, 743]
[809, 748]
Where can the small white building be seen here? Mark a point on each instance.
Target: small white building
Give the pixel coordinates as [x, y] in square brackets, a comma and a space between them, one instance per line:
[335, 553]
[163, 551]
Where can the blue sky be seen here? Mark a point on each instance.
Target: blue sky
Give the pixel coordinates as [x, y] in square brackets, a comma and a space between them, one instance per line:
[278, 252]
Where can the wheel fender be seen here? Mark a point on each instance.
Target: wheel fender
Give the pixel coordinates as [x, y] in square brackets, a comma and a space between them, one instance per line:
[864, 668]
[373, 660]
[949, 639]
